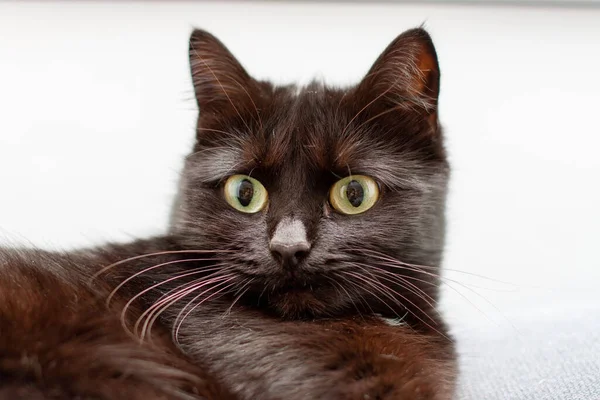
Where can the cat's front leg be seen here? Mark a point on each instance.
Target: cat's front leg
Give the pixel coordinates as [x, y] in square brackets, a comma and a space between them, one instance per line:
[376, 361]
[256, 356]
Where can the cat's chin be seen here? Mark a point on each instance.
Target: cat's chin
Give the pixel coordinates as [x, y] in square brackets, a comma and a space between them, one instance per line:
[298, 297]
[298, 305]
[304, 302]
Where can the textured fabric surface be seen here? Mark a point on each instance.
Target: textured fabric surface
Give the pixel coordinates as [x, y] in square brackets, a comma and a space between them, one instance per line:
[541, 355]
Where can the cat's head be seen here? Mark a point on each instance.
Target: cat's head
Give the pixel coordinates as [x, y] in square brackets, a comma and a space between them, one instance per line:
[331, 199]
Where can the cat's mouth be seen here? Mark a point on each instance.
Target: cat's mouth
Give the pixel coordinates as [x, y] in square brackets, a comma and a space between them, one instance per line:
[292, 285]
[296, 297]
[297, 289]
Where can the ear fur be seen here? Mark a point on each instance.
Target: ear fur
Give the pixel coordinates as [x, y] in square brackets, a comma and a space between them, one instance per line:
[219, 79]
[406, 75]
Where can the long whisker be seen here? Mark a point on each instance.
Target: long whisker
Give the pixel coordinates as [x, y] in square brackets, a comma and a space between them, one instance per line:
[427, 267]
[363, 300]
[398, 280]
[359, 287]
[376, 282]
[405, 281]
[261, 294]
[230, 277]
[455, 290]
[215, 269]
[447, 281]
[170, 300]
[245, 285]
[174, 296]
[190, 272]
[160, 253]
[347, 294]
[143, 271]
[370, 284]
[417, 268]
[178, 325]
[393, 263]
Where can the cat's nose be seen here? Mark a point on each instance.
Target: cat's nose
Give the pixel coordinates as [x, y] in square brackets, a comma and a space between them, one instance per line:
[289, 244]
[290, 254]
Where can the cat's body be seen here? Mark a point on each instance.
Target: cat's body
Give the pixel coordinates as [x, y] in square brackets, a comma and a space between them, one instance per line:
[283, 287]
[58, 340]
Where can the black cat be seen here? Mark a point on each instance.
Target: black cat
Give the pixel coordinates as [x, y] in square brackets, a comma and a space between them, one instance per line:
[302, 261]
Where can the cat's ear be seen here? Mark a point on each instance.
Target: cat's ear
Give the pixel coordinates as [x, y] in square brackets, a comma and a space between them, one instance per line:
[219, 79]
[405, 76]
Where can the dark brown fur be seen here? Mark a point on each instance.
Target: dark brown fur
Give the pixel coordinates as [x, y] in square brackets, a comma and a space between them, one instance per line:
[58, 340]
[318, 330]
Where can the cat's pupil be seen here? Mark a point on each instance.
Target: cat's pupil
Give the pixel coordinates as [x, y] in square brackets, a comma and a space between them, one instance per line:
[355, 193]
[245, 192]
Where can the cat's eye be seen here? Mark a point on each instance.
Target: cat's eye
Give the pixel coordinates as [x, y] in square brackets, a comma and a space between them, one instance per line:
[354, 194]
[245, 194]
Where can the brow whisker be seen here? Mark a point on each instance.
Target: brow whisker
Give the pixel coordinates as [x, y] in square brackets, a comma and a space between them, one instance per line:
[364, 108]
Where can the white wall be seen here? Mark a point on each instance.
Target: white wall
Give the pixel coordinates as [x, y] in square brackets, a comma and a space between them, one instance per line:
[82, 85]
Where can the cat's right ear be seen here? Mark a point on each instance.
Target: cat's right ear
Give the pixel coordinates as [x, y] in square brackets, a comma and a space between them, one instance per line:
[220, 81]
[406, 76]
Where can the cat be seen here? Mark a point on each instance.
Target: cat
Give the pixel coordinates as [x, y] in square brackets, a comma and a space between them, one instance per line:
[302, 260]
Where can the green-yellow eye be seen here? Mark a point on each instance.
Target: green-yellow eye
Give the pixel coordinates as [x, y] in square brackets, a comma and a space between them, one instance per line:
[354, 194]
[245, 194]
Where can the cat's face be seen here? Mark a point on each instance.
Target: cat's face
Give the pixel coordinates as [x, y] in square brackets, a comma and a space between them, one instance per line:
[321, 193]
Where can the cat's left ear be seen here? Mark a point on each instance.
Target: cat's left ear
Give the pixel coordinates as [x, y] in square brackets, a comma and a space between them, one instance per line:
[221, 84]
[406, 76]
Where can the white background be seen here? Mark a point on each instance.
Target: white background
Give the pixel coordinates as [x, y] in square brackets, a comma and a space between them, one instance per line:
[96, 113]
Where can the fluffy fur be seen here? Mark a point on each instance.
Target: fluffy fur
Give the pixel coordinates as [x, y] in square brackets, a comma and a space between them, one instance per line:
[209, 310]
[59, 341]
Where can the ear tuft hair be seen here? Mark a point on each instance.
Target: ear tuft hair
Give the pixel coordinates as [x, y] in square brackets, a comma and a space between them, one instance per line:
[218, 78]
[406, 74]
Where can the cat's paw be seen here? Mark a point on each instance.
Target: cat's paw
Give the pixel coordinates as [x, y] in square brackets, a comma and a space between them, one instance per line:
[388, 377]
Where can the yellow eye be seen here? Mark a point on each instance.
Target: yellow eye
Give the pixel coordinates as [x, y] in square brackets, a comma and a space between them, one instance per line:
[245, 194]
[354, 194]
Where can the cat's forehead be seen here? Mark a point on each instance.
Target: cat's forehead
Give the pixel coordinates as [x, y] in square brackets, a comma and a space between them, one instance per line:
[302, 126]
[311, 130]
[308, 128]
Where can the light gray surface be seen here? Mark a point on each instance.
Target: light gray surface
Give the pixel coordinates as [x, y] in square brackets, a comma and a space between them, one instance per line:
[543, 355]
